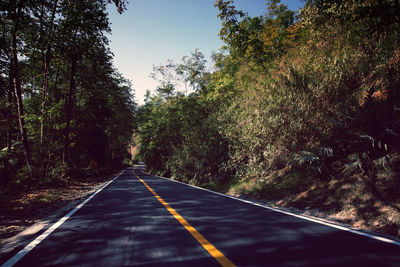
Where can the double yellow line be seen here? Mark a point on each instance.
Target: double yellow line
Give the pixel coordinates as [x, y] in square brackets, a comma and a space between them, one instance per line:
[224, 261]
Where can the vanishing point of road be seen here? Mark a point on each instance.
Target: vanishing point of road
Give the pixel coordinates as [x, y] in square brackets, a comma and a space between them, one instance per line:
[144, 220]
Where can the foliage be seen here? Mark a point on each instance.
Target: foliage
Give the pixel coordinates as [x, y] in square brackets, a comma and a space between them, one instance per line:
[76, 109]
[312, 89]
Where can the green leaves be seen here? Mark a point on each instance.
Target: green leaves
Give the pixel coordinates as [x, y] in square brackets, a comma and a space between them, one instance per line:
[59, 43]
[317, 91]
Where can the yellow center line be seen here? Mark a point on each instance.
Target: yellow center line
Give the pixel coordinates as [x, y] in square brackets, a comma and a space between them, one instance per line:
[224, 261]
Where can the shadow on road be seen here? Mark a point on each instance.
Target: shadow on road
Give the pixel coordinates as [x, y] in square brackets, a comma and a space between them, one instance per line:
[123, 225]
[253, 236]
[126, 225]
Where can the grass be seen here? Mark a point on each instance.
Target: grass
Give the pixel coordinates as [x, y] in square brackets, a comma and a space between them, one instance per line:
[278, 185]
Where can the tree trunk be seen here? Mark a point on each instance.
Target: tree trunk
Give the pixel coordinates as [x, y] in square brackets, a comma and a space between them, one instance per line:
[69, 109]
[55, 82]
[46, 66]
[10, 98]
[16, 84]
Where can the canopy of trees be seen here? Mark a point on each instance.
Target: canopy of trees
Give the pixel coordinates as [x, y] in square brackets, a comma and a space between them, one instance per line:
[314, 89]
[63, 106]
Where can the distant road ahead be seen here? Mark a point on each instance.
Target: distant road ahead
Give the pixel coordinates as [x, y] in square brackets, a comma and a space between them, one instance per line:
[141, 220]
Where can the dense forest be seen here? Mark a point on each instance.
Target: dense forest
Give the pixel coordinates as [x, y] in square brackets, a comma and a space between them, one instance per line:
[65, 111]
[296, 102]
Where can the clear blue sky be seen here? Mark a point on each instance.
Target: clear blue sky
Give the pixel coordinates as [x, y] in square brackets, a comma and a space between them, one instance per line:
[150, 32]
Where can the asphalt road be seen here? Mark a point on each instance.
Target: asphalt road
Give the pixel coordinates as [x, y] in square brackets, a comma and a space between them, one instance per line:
[127, 225]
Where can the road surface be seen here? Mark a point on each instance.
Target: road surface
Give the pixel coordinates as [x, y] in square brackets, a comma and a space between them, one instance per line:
[143, 220]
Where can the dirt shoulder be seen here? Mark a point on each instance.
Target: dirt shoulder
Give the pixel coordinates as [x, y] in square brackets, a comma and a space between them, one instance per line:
[351, 200]
[23, 210]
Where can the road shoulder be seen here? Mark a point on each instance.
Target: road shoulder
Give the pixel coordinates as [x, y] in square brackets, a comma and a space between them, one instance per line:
[34, 212]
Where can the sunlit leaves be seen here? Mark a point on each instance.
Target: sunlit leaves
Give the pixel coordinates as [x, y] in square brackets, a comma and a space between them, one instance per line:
[285, 88]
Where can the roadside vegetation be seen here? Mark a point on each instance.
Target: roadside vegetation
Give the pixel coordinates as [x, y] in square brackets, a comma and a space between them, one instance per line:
[65, 111]
[299, 107]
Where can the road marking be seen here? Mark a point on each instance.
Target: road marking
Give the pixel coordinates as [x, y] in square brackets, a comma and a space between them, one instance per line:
[224, 261]
[40, 238]
[343, 228]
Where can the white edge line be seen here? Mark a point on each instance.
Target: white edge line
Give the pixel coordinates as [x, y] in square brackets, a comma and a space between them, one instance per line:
[383, 239]
[40, 238]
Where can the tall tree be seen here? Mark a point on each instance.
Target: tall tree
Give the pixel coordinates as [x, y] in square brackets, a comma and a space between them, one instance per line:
[47, 19]
[193, 70]
[83, 27]
[57, 77]
[15, 79]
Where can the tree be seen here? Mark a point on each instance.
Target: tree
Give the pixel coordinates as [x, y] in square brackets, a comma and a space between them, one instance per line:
[15, 79]
[193, 70]
[83, 26]
[59, 91]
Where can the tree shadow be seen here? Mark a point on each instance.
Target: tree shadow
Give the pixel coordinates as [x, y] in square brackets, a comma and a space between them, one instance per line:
[254, 236]
[126, 225]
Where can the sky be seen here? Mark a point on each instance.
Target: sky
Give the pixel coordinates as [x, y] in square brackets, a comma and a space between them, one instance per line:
[150, 32]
